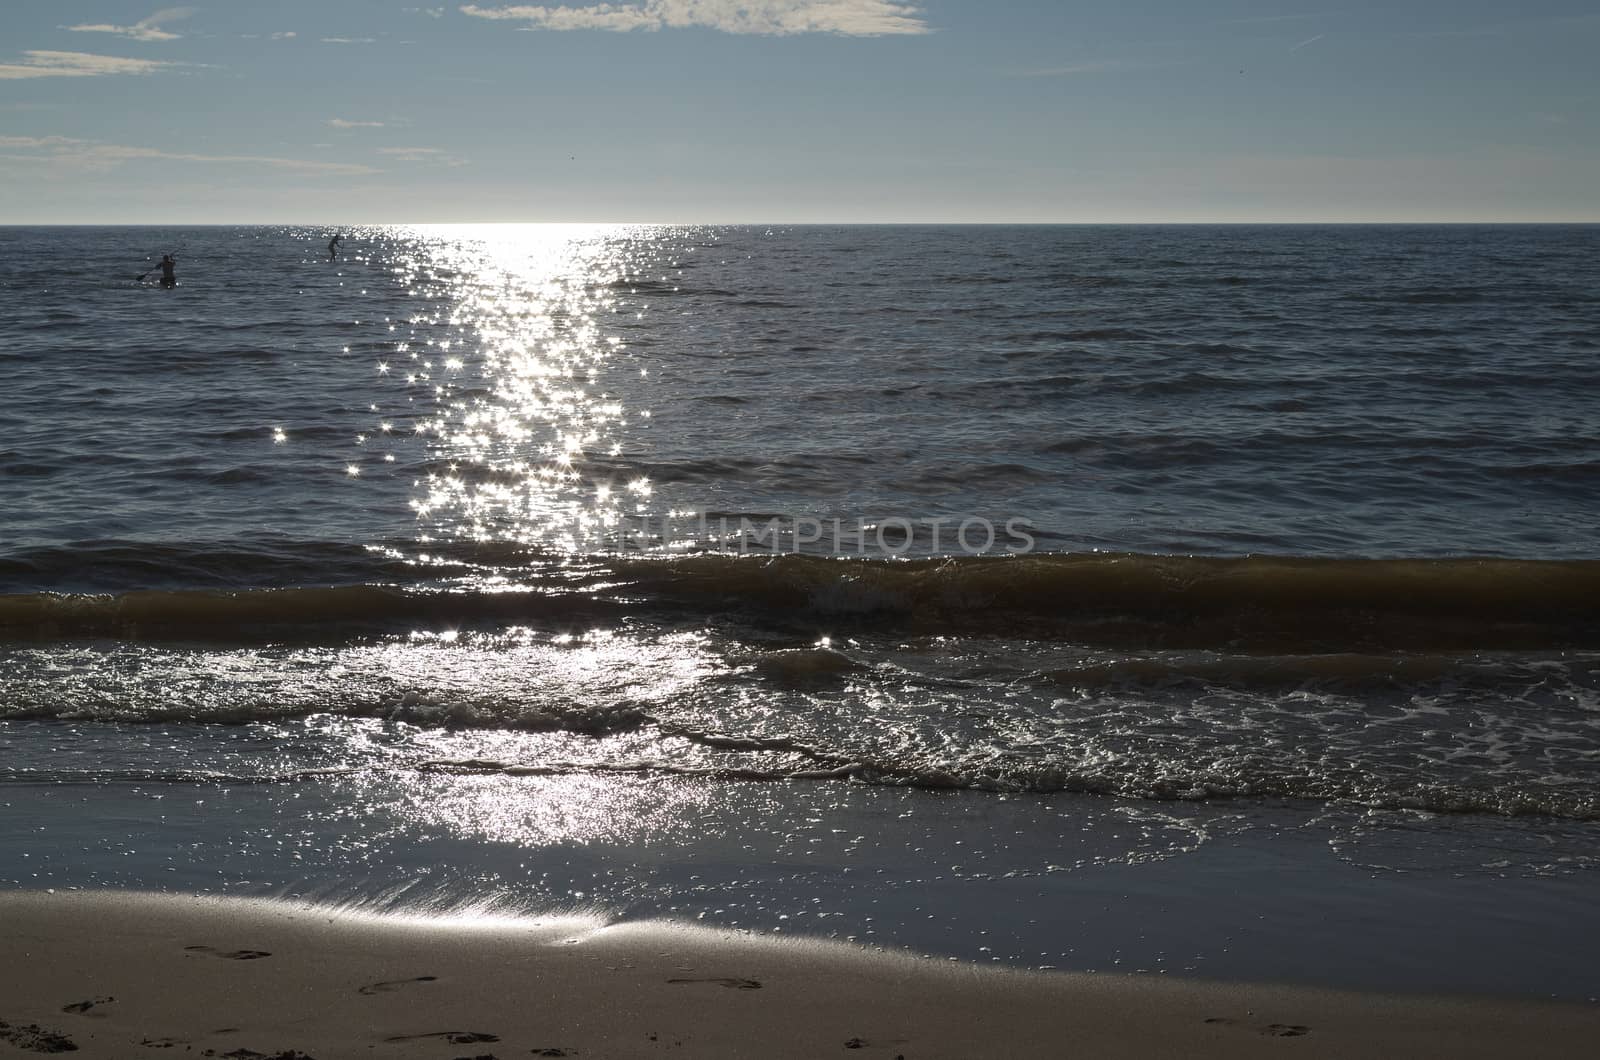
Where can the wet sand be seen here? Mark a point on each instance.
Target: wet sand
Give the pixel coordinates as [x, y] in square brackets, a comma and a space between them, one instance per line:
[100, 974]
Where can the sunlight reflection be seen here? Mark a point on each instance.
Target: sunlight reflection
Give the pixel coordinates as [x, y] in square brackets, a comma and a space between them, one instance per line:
[594, 682]
[548, 810]
[507, 382]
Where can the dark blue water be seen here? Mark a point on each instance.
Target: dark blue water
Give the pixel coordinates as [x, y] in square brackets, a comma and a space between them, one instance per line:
[479, 537]
[1316, 391]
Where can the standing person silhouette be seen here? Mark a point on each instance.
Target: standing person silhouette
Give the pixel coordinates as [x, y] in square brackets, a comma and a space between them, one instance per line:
[169, 278]
[333, 245]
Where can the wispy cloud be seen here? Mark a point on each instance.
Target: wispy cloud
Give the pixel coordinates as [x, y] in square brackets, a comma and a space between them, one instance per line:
[422, 154]
[1308, 43]
[349, 40]
[38, 141]
[91, 155]
[146, 29]
[775, 18]
[115, 153]
[76, 64]
[286, 35]
[345, 123]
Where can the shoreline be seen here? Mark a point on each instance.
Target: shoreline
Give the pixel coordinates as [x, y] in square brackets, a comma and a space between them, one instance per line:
[1231, 891]
[117, 974]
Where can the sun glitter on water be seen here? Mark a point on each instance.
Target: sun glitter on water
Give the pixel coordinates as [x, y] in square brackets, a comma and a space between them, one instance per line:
[508, 372]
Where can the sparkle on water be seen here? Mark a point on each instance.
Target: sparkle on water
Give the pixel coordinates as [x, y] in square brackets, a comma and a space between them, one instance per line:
[508, 385]
[503, 415]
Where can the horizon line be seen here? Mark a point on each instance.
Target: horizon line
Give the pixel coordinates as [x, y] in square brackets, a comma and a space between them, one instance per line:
[806, 224]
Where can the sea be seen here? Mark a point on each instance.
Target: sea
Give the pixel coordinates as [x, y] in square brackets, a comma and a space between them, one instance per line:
[1189, 600]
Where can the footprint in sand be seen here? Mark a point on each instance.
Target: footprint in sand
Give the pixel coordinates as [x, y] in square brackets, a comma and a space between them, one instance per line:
[394, 984]
[78, 1007]
[453, 1037]
[228, 955]
[163, 1043]
[1270, 1030]
[731, 984]
[862, 1043]
[555, 1052]
[36, 1039]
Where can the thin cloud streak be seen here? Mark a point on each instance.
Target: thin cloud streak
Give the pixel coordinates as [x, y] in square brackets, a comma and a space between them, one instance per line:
[39, 141]
[115, 153]
[769, 18]
[344, 123]
[90, 155]
[76, 64]
[146, 29]
[1307, 43]
[433, 155]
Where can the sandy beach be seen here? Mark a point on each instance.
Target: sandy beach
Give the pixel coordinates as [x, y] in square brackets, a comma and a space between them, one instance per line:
[106, 975]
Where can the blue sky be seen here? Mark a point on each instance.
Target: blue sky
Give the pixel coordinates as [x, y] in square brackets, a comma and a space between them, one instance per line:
[348, 111]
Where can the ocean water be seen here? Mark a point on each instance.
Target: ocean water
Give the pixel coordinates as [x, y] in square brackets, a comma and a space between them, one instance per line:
[693, 570]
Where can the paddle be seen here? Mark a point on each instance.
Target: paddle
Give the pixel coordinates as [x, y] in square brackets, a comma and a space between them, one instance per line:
[140, 278]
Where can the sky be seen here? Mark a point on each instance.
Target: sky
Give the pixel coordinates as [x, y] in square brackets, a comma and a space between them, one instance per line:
[791, 111]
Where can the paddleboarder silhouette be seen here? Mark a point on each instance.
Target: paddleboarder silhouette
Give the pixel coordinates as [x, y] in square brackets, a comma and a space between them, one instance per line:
[168, 267]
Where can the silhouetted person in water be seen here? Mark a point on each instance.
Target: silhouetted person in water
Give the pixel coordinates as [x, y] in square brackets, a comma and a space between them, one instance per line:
[333, 246]
[169, 277]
